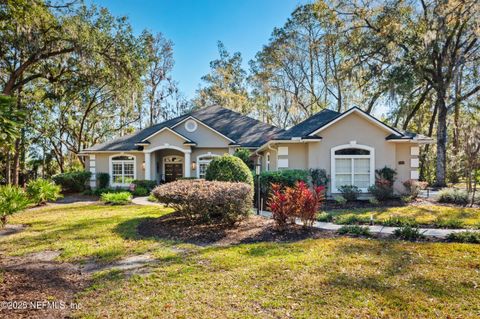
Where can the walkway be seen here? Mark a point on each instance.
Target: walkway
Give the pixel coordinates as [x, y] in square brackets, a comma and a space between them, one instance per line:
[376, 229]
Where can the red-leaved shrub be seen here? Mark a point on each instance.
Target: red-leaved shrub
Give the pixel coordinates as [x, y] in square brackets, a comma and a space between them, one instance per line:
[295, 202]
[207, 200]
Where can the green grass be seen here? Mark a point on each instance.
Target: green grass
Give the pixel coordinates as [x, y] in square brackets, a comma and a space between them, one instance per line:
[328, 278]
[423, 215]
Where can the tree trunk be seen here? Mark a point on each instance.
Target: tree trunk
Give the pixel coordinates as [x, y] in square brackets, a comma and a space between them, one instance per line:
[16, 163]
[441, 170]
[8, 168]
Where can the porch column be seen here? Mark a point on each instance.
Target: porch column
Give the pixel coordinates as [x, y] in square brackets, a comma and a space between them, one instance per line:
[187, 164]
[148, 170]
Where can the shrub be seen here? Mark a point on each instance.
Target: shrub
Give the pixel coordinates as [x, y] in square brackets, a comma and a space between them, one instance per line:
[340, 200]
[12, 200]
[451, 223]
[41, 191]
[72, 181]
[100, 191]
[408, 233]
[354, 230]
[152, 198]
[207, 200]
[349, 192]
[244, 155]
[228, 168]
[121, 198]
[284, 178]
[382, 190]
[140, 191]
[399, 221]
[465, 237]
[318, 176]
[325, 217]
[288, 203]
[453, 196]
[148, 184]
[351, 219]
[413, 187]
[374, 201]
[103, 180]
[387, 174]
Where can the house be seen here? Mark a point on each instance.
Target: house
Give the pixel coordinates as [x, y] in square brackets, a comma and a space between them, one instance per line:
[348, 145]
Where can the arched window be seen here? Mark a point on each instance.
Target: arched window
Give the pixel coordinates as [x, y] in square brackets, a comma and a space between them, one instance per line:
[122, 170]
[202, 163]
[267, 161]
[352, 164]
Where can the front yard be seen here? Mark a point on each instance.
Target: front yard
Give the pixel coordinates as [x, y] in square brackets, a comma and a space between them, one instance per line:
[429, 215]
[328, 277]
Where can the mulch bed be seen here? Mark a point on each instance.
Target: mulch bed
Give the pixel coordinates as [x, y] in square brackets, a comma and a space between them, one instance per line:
[251, 230]
[36, 281]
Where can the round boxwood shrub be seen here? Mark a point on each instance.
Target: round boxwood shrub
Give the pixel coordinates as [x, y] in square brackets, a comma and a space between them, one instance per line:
[228, 168]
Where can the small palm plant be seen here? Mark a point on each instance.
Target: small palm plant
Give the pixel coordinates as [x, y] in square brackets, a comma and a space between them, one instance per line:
[12, 200]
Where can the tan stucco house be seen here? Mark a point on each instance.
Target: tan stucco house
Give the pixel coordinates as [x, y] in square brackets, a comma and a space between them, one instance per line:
[348, 145]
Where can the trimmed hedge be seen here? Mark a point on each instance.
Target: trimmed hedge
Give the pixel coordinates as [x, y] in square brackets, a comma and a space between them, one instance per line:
[73, 181]
[285, 178]
[202, 200]
[228, 168]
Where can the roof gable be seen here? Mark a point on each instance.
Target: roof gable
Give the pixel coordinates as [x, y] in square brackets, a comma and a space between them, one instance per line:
[190, 117]
[356, 110]
[166, 128]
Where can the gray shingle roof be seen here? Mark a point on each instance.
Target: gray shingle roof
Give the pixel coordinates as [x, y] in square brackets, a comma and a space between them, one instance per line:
[242, 129]
[303, 129]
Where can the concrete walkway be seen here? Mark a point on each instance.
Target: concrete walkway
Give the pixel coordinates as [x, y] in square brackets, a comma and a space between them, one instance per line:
[145, 202]
[379, 229]
[375, 229]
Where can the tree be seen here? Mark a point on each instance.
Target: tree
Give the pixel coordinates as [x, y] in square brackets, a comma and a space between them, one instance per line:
[433, 39]
[225, 84]
[160, 87]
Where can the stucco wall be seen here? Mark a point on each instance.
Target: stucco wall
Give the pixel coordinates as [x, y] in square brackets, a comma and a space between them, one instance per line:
[203, 136]
[165, 138]
[102, 161]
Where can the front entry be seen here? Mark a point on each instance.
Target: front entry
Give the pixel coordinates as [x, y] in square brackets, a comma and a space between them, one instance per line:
[172, 168]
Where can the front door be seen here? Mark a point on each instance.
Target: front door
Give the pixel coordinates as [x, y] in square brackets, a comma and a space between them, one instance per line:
[173, 172]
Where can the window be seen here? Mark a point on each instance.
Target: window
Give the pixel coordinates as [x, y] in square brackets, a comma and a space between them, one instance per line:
[267, 160]
[190, 125]
[202, 163]
[353, 165]
[122, 170]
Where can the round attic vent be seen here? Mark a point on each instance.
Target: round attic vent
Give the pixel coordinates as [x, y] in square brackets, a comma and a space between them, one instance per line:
[190, 125]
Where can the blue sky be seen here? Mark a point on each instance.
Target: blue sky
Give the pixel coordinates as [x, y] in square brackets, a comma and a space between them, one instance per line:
[196, 26]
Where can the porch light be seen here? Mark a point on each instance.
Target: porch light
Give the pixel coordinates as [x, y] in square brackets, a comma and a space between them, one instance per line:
[143, 165]
[258, 168]
[194, 165]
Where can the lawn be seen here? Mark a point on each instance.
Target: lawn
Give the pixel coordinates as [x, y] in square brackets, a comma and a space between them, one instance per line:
[314, 278]
[424, 214]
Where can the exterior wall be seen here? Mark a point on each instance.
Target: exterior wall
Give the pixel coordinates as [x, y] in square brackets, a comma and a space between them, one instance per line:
[406, 164]
[102, 162]
[203, 136]
[166, 138]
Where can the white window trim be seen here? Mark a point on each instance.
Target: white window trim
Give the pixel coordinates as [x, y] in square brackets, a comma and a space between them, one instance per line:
[193, 129]
[353, 144]
[200, 161]
[170, 156]
[203, 124]
[267, 161]
[110, 166]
